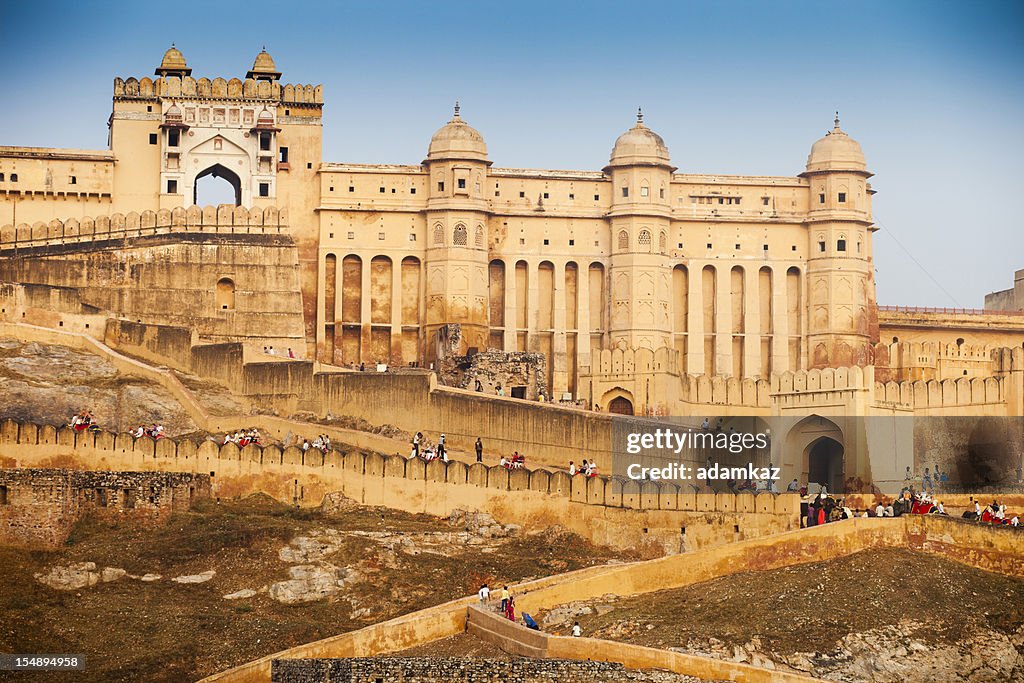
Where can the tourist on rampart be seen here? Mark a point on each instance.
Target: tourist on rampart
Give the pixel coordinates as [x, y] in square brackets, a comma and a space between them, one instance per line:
[504, 598]
[793, 487]
[510, 609]
[572, 469]
[485, 595]
[479, 450]
[576, 630]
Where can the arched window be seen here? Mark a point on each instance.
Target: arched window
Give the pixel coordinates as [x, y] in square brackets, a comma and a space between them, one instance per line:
[480, 236]
[438, 234]
[623, 239]
[459, 237]
[644, 240]
[225, 298]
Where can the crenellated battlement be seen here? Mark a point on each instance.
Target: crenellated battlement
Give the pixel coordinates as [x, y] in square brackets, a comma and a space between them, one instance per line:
[947, 393]
[223, 219]
[187, 87]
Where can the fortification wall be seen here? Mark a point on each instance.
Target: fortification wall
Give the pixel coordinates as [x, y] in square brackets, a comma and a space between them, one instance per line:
[622, 514]
[38, 507]
[184, 87]
[983, 547]
[224, 272]
[442, 670]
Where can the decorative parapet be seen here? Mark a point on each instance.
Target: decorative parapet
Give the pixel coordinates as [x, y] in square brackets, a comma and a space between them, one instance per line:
[217, 89]
[223, 219]
[948, 393]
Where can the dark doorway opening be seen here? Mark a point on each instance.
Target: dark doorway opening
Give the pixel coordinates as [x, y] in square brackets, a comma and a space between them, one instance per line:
[212, 193]
[621, 405]
[825, 464]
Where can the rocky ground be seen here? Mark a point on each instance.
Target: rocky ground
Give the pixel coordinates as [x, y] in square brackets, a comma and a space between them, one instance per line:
[225, 584]
[49, 383]
[877, 616]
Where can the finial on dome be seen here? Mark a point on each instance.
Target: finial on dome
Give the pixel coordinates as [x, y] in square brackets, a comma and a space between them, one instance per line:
[837, 119]
[456, 107]
[639, 115]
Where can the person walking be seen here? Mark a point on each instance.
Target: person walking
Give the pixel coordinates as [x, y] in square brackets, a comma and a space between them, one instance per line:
[485, 594]
[479, 450]
[504, 598]
[576, 630]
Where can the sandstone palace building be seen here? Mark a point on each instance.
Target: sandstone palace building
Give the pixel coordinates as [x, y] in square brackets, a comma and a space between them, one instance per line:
[633, 288]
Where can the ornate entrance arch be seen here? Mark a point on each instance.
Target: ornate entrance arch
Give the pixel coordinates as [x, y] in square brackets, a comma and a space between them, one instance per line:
[219, 171]
[618, 401]
[822, 447]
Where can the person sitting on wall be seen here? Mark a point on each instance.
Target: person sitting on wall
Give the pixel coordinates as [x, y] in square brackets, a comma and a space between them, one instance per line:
[572, 469]
[416, 439]
[585, 468]
[793, 487]
[1015, 522]
[518, 460]
[880, 509]
[141, 431]
[593, 469]
[504, 462]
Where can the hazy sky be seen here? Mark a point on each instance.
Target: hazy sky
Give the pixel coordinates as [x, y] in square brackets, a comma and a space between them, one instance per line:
[932, 90]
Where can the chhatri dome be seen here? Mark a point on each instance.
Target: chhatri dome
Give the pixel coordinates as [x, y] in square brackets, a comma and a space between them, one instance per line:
[173, 63]
[457, 140]
[264, 68]
[639, 146]
[837, 151]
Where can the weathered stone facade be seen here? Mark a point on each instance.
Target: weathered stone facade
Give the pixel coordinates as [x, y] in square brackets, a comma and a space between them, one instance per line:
[518, 373]
[38, 507]
[453, 669]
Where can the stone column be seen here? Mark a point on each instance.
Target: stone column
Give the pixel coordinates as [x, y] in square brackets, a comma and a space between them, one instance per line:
[510, 307]
[582, 319]
[365, 314]
[559, 362]
[396, 311]
[695, 320]
[780, 322]
[321, 308]
[723, 320]
[751, 322]
[532, 304]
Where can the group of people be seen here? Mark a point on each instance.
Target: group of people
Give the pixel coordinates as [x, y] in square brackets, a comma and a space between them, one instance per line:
[244, 437]
[154, 431]
[507, 607]
[516, 462]
[321, 443]
[992, 514]
[587, 469]
[422, 449]
[269, 350]
[82, 421]
[930, 481]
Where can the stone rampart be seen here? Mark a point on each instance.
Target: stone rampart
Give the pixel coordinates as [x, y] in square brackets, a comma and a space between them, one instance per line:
[983, 547]
[38, 507]
[443, 670]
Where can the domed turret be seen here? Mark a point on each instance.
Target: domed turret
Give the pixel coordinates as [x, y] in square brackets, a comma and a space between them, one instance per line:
[639, 146]
[173, 64]
[264, 69]
[457, 140]
[837, 151]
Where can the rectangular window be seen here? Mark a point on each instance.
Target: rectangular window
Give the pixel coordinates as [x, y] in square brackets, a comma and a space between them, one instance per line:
[737, 247]
[644, 191]
[661, 193]
[545, 195]
[264, 189]
[841, 245]
[709, 245]
[625, 192]
[821, 198]
[842, 197]
[764, 247]
[332, 189]
[351, 188]
[264, 142]
[283, 155]
[571, 196]
[153, 139]
[14, 177]
[764, 201]
[412, 190]
[412, 237]
[821, 247]
[380, 235]
[497, 193]
[351, 235]
[736, 200]
[382, 190]
[73, 180]
[309, 164]
[172, 187]
[546, 243]
[1, 177]
[462, 183]
[721, 200]
[173, 136]
[572, 243]
[597, 197]
[522, 194]
[440, 186]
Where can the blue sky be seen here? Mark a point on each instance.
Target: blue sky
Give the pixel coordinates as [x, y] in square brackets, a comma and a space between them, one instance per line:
[932, 90]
